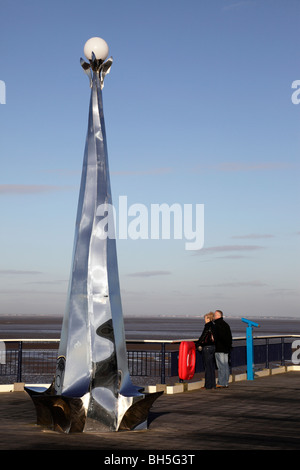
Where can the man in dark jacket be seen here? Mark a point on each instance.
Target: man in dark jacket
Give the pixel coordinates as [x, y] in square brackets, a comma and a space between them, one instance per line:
[223, 342]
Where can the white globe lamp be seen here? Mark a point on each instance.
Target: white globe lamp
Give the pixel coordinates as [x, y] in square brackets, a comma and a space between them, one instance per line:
[97, 46]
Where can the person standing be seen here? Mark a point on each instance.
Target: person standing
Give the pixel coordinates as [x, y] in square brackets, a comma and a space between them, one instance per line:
[206, 344]
[223, 343]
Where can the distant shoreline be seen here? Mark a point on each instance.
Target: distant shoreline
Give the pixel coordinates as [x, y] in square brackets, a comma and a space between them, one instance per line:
[140, 317]
[145, 327]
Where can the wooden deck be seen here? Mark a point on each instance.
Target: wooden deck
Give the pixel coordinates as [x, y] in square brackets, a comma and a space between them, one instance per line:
[263, 414]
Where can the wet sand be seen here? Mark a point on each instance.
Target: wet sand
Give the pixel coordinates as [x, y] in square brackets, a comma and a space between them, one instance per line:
[30, 327]
[167, 328]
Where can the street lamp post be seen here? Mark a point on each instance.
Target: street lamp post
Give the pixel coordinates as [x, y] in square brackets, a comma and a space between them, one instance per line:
[92, 383]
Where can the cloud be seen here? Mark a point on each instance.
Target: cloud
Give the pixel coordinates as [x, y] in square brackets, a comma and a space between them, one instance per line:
[30, 188]
[229, 248]
[282, 291]
[62, 172]
[237, 284]
[253, 236]
[149, 273]
[244, 166]
[48, 283]
[17, 272]
[242, 284]
[21, 292]
[233, 257]
[153, 171]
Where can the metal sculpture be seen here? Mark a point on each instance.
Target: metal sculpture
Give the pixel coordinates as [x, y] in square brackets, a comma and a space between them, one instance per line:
[92, 389]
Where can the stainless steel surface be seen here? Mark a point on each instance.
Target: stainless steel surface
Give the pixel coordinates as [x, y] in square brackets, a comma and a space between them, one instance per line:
[92, 372]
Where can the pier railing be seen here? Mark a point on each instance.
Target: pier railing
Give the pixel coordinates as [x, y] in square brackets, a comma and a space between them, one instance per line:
[34, 360]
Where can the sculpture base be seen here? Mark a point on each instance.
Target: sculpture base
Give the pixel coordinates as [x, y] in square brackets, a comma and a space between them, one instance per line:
[67, 414]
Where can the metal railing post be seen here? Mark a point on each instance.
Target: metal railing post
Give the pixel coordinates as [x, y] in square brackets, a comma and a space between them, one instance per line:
[267, 353]
[282, 352]
[163, 364]
[19, 370]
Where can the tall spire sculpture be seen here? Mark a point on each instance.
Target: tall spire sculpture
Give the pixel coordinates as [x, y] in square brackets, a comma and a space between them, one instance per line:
[92, 389]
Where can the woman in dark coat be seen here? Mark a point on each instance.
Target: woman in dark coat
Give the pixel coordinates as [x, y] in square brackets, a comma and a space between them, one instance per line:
[206, 344]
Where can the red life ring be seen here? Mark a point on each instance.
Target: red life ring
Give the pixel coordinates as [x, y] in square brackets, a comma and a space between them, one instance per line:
[186, 360]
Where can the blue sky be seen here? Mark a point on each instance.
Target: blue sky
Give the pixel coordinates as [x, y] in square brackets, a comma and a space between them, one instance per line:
[198, 110]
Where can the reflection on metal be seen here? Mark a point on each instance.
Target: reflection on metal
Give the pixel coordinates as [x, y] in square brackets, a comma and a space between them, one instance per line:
[92, 389]
[66, 414]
